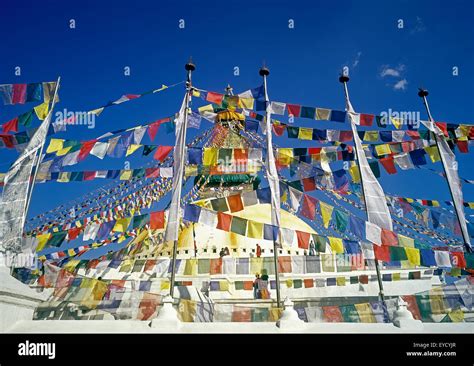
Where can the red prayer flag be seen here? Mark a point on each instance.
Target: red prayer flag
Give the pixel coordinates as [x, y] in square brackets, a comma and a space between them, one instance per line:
[294, 110]
[224, 221]
[11, 126]
[415, 135]
[332, 314]
[366, 119]
[132, 96]
[152, 172]
[86, 149]
[443, 126]
[345, 136]
[279, 129]
[412, 306]
[314, 150]
[284, 264]
[73, 233]
[463, 146]
[153, 129]
[235, 203]
[389, 165]
[215, 266]
[303, 239]
[19, 94]
[389, 238]
[308, 283]
[157, 220]
[8, 141]
[382, 253]
[458, 260]
[309, 184]
[215, 98]
[309, 207]
[149, 265]
[241, 156]
[162, 152]
[89, 175]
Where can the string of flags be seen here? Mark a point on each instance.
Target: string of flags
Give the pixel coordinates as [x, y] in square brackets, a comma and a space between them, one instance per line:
[26, 93]
[254, 98]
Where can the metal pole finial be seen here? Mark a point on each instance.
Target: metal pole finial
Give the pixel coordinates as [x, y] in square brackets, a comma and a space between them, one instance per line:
[422, 92]
[264, 71]
[343, 78]
[190, 65]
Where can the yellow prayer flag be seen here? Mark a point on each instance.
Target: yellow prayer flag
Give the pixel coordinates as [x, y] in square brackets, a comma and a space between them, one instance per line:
[323, 114]
[63, 151]
[433, 153]
[336, 245]
[48, 91]
[405, 241]
[71, 265]
[132, 148]
[366, 315]
[191, 170]
[456, 316]
[42, 240]
[289, 283]
[247, 103]
[210, 156]
[396, 276]
[305, 133]
[224, 285]
[326, 212]
[186, 310]
[71, 252]
[256, 265]
[340, 281]
[165, 285]
[64, 177]
[55, 145]
[196, 93]
[206, 108]
[285, 155]
[122, 225]
[96, 112]
[42, 110]
[413, 256]
[190, 269]
[254, 229]
[126, 174]
[371, 135]
[383, 149]
[397, 122]
[355, 174]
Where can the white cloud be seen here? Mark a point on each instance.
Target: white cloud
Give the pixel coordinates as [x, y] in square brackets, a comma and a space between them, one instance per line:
[419, 26]
[357, 60]
[401, 85]
[392, 71]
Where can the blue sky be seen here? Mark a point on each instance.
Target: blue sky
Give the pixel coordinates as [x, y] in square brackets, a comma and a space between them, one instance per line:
[304, 61]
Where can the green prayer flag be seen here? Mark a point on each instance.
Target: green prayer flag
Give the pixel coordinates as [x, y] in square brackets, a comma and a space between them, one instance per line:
[219, 204]
[140, 220]
[57, 238]
[397, 254]
[25, 119]
[350, 314]
[341, 220]
[239, 225]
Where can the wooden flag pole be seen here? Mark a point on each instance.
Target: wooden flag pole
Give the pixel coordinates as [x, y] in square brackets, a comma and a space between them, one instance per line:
[344, 79]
